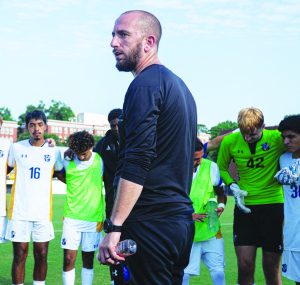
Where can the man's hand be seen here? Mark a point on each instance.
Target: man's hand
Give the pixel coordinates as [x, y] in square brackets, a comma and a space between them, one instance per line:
[239, 197]
[199, 217]
[69, 154]
[288, 175]
[107, 249]
[51, 142]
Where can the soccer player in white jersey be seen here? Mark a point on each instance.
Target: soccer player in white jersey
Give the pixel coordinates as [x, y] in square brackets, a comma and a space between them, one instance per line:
[290, 167]
[84, 211]
[30, 209]
[4, 148]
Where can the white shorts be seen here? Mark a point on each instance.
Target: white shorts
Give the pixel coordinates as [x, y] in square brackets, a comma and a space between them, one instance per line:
[290, 265]
[72, 238]
[3, 223]
[211, 252]
[22, 231]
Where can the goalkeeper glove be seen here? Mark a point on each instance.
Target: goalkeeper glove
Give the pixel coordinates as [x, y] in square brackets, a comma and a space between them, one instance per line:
[288, 175]
[239, 197]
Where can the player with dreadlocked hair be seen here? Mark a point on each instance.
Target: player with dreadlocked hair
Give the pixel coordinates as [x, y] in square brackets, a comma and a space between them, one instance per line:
[84, 210]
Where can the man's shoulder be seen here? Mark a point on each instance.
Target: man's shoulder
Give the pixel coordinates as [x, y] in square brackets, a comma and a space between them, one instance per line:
[231, 138]
[21, 144]
[286, 155]
[100, 146]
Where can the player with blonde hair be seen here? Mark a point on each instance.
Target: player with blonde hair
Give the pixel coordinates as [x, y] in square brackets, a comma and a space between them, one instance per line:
[258, 215]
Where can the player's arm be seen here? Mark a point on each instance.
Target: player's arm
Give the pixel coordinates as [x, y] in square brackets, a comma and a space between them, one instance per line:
[59, 170]
[221, 198]
[224, 158]
[218, 187]
[223, 161]
[9, 169]
[214, 143]
[60, 175]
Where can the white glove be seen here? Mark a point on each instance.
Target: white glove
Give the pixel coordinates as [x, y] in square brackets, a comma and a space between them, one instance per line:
[239, 197]
[288, 175]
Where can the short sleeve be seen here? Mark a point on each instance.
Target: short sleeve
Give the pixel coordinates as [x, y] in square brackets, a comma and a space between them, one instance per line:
[215, 174]
[58, 161]
[11, 156]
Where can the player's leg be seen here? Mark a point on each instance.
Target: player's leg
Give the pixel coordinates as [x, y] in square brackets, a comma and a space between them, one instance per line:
[213, 258]
[18, 232]
[87, 271]
[89, 243]
[271, 241]
[40, 253]
[245, 236]
[3, 223]
[193, 267]
[68, 274]
[246, 264]
[271, 267]
[20, 253]
[42, 233]
[70, 242]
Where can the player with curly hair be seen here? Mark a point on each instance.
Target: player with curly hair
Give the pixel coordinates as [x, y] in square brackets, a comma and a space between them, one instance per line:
[84, 210]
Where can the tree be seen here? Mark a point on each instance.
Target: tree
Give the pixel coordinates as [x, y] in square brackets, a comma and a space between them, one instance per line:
[6, 114]
[222, 128]
[201, 129]
[41, 106]
[59, 111]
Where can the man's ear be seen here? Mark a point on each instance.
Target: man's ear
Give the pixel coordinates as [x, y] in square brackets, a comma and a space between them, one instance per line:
[150, 43]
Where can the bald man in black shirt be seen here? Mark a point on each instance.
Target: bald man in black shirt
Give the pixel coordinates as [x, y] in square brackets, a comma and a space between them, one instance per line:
[157, 137]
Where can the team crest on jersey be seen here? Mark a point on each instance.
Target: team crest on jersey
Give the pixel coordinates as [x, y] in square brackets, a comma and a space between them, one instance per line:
[284, 267]
[47, 157]
[265, 146]
[1, 153]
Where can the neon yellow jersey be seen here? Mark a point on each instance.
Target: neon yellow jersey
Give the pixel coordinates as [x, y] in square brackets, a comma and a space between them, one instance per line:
[202, 189]
[85, 199]
[256, 170]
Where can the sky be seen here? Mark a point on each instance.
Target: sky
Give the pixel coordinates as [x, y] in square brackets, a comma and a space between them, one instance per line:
[231, 54]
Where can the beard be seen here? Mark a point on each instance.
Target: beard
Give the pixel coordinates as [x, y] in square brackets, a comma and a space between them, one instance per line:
[131, 61]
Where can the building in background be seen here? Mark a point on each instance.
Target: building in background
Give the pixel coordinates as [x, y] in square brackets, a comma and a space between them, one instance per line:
[9, 131]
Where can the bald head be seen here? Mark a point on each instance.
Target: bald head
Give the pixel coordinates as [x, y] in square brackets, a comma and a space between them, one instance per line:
[148, 24]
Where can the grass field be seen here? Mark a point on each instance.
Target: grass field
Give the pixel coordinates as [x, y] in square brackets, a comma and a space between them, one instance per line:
[101, 272]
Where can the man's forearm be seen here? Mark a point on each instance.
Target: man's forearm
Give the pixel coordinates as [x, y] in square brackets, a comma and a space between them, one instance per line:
[127, 195]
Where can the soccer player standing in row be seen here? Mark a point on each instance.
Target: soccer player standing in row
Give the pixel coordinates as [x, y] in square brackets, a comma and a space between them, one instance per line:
[255, 152]
[290, 161]
[4, 148]
[208, 243]
[84, 207]
[30, 209]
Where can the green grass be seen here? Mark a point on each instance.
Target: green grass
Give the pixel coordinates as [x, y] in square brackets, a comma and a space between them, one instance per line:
[101, 272]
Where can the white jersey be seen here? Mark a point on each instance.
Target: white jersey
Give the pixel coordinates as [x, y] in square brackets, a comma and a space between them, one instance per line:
[4, 148]
[31, 197]
[291, 233]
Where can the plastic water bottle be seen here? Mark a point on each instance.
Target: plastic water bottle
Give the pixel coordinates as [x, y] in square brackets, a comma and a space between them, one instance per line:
[212, 215]
[126, 247]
